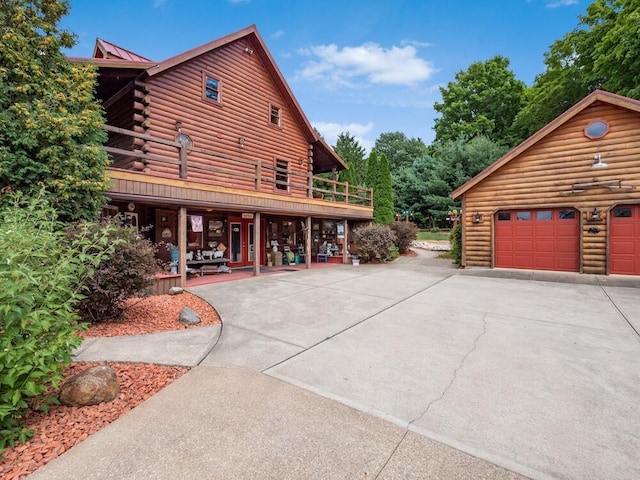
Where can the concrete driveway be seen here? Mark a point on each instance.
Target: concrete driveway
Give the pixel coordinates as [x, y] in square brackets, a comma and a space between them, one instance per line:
[539, 373]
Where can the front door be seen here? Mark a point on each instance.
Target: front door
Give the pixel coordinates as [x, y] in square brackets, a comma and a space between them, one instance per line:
[241, 242]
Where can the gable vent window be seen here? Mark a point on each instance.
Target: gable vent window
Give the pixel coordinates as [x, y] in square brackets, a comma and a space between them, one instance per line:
[211, 89]
[596, 129]
[282, 175]
[275, 116]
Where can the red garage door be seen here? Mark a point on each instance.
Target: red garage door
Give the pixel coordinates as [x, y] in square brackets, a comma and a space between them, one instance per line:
[624, 239]
[545, 239]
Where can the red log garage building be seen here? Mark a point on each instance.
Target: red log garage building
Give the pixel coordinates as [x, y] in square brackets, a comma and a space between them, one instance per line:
[566, 199]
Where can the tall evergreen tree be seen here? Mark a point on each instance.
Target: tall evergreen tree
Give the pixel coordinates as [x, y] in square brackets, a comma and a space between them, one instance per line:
[352, 153]
[373, 170]
[383, 211]
[50, 124]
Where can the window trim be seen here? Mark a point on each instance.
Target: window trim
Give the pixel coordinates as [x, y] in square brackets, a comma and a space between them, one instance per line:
[205, 77]
[273, 106]
[279, 175]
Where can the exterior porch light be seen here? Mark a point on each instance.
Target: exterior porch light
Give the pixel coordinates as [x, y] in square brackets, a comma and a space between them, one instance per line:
[241, 142]
[477, 218]
[598, 163]
[179, 126]
[595, 215]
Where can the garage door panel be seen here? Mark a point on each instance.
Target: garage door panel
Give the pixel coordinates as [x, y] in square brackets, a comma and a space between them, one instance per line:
[624, 240]
[545, 239]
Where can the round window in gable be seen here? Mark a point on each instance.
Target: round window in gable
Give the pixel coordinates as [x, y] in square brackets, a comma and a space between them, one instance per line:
[596, 129]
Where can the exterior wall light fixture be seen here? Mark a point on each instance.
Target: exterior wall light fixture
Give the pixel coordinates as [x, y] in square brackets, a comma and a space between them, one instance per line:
[477, 218]
[241, 142]
[598, 163]
[248, 50]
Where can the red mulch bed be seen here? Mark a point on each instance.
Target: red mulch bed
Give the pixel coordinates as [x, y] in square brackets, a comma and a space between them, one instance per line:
[64, 426]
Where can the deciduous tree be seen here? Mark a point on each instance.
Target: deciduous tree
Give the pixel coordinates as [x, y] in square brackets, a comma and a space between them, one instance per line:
[50, 125]
[482, 101]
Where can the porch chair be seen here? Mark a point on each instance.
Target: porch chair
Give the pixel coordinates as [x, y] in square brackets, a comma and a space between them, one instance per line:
[323, 254]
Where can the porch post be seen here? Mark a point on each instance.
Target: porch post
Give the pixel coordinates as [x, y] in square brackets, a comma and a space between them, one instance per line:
[307, 252]
[257, 244]
[345, 256]
[182, 245]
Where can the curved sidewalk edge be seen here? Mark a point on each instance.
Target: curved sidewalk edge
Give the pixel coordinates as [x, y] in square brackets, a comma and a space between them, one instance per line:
[183, 347]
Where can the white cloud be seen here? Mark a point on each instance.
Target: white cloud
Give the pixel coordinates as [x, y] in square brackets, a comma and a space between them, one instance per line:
[416, 43]
[349, 66]
[277, 34]
[159, 3]
[331, 130]
[561, 3]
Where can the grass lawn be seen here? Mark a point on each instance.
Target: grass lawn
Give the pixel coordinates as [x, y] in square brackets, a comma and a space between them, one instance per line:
[429, 235]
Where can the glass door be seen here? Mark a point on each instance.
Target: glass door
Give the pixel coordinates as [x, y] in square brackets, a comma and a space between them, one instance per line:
[241, 242]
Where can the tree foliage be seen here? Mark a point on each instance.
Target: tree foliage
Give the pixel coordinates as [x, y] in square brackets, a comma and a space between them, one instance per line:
[482, 101]
[353, 154]
[601, 52]
[423, 189]
[400, 150]
[50, 125]
[383, 211]
[42, 277]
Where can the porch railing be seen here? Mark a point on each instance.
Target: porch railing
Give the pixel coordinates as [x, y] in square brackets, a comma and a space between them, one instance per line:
[127, 150]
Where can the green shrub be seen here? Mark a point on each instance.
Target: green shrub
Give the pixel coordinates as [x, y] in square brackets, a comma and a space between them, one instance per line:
[127, 272]
[455, 238]
[41, 279]
[435, 230]
[375, 243]
[406, 232]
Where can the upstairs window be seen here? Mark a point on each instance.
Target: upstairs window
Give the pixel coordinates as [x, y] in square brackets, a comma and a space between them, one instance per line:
[211, 88]
[275, 115]
[282, 175]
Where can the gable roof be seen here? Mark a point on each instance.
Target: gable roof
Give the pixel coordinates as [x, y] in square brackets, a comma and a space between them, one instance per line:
[595, 96]
[104, 49]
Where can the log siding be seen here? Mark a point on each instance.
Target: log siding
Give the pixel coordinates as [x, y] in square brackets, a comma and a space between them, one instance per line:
[557, 171]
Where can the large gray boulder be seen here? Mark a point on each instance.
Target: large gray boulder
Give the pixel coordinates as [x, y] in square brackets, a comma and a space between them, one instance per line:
[90, 387]
[189, 317]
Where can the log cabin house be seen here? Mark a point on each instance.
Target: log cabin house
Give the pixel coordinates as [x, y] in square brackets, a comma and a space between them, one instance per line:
[566, 199]
[212, 150]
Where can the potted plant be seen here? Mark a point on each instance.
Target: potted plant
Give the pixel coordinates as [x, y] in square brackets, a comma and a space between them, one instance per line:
[355, 260]
[173, 252]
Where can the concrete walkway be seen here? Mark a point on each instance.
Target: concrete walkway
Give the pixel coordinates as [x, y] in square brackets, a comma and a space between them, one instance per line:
[407, 370]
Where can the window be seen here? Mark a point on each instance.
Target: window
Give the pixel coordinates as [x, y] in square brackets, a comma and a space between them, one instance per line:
[504, 216]
[523, 215]
[622, 212]
[275, 115]
[568, 214]
[543, 215]
[282, 175]
[211, 89]
[596, 129]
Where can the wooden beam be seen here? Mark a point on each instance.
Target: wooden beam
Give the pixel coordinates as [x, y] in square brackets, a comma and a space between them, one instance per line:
[182, 244]
[183, 161]
[257, 244]
[345, 257]
[307, 247]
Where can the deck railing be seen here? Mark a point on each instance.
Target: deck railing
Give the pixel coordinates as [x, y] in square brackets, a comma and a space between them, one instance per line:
[127, 150]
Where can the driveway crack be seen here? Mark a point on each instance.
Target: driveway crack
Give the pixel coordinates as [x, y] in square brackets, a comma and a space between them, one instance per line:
[455, 372]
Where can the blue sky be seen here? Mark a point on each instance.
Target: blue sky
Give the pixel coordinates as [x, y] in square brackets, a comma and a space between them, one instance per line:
[363, 66]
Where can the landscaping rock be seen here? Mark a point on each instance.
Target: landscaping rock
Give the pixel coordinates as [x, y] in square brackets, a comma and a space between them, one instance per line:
[188, 317]
[93, 386]
[176, 290]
